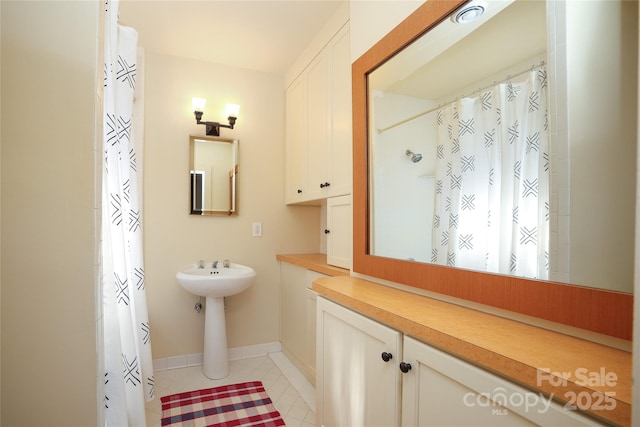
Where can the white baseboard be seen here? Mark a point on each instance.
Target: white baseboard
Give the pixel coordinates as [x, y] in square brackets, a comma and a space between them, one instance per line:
[305, 389]
[187, 360]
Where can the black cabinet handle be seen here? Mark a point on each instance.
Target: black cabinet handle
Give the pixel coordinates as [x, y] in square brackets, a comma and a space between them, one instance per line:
[327, 231]
[386, 356]
[405, 367]
[326, 184]
[299, 191]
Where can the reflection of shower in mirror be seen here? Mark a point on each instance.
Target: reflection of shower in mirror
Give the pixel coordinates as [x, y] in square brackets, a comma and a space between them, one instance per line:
[415, 157]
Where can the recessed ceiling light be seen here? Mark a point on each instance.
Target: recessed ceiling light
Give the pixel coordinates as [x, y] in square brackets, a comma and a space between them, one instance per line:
[469, 12]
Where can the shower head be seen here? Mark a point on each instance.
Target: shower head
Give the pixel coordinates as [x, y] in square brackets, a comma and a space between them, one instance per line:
[415, 157]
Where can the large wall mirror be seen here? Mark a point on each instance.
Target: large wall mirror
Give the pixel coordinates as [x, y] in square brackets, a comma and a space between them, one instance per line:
[495, 160]
[213, 175]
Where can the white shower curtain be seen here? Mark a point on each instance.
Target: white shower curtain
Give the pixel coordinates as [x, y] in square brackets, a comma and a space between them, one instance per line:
[492, 180]
[128, 365]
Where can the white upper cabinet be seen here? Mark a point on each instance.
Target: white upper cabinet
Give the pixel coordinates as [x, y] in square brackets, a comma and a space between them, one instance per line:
[340, 148]
[318, 121]
[338, 231]
[296, 133]
[318, 126]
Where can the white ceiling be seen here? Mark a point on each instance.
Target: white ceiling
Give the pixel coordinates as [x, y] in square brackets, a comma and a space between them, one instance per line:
[263, 35]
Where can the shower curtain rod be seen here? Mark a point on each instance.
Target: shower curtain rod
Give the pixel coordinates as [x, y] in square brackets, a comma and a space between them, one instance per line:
[431, 110]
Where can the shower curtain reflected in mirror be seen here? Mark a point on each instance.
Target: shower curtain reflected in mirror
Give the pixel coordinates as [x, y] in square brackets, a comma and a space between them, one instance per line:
[493, 164]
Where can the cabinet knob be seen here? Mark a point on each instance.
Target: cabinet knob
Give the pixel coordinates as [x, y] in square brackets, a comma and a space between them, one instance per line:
[299, 191]
[327, 231]
[326, 184]
[405, 367]
[386, 356]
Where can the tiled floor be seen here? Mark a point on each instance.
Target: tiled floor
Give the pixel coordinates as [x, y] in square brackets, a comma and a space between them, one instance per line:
[291, 394]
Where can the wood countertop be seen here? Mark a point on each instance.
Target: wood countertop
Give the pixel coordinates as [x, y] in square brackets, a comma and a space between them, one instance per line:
[538, 358]
[314, 262]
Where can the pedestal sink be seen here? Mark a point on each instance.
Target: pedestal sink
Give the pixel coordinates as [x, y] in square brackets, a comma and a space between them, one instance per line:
[215, 284]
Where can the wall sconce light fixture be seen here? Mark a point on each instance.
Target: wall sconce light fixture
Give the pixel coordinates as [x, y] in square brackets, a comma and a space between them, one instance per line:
[213, 128]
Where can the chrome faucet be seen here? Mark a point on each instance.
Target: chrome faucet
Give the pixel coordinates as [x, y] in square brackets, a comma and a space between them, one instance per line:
[226, 263]
[214, 264]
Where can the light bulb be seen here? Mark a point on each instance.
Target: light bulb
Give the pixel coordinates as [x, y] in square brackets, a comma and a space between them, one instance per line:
[233, 110]
[198, 104]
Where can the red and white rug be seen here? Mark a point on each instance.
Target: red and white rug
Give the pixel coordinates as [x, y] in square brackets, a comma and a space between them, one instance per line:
[244, 404]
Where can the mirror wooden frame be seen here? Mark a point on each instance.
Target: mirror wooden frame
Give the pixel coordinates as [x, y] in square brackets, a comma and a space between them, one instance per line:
[597, 310]
[233, 178]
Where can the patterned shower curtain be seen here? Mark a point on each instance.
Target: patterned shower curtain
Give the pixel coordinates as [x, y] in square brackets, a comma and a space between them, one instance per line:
[492, 180]
[128, 365]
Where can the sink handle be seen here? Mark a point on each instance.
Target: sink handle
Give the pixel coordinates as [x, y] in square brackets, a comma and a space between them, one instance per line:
[226, 263]
[201, 264]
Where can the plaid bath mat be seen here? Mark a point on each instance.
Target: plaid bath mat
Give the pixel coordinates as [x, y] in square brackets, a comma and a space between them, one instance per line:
[244, 404]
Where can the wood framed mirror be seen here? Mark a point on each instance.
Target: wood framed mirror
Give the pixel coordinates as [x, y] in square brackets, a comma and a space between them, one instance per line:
[213, 175]
[603, 311]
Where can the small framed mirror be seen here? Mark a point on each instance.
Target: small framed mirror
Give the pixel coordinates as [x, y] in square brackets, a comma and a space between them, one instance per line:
[213, 175]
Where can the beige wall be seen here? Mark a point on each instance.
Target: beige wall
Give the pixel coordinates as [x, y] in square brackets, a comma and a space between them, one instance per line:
[372, 20]
[49, 56]
[173, 238]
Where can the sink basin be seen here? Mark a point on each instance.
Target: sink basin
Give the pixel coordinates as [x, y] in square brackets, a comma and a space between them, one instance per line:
[216, 282]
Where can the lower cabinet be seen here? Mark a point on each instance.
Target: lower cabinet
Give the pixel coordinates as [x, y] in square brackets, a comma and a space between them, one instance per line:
[372, 375]
[298, 317]
[354, 385]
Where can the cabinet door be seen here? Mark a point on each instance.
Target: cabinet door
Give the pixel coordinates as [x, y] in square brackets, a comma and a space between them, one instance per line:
[355, 387]
[293, 312]
[338, 232]
[311, 335]
[296, 141]
[340, 156]
[441, 390]
[317, 125]
[311, 302]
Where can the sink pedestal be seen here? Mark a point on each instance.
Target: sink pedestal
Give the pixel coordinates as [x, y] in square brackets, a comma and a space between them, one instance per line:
[215, 363]
[215, 283]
